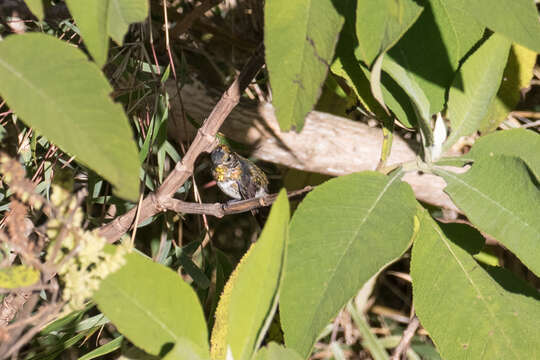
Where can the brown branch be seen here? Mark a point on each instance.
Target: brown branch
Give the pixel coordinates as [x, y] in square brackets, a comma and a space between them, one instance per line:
[406, 339]
[196, 13]
[205, 141]
[219, 209]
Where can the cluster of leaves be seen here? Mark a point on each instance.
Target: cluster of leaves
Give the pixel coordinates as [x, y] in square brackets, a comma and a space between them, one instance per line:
[398, 60]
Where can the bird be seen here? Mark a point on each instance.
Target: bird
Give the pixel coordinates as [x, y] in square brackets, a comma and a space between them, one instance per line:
[236, 176]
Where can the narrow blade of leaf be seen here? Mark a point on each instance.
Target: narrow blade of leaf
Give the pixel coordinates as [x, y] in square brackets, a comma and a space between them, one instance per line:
[418, 99]
[468, 314]
[105, 349]
[154, 308]
[341, 235]
[91, 18]
[499, 197]
[56, 90]
[249, 299]
[298, 63]
[475, 86]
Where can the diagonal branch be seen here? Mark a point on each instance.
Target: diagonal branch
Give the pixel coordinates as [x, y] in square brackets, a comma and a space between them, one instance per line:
[205, 141]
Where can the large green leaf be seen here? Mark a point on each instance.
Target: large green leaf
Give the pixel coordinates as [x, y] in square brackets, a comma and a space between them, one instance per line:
[91, 18]
[300, 37]
[499, 197]
[466, 312]
[514, 142]
[343, 233]
[155, 309]
[516, 19]
[431, 50]
[122, 13]
[249, 299]
[276, 352]
[56, 90]
[475, 86]
[517, 75]
[380, 24]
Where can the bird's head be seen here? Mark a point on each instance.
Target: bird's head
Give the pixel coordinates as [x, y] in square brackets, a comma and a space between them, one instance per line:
[221, 155]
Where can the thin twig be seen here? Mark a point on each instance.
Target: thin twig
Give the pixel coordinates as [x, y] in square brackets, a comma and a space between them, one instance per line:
[196, 13]
[205, 141]
[406, 339]
[219, 209]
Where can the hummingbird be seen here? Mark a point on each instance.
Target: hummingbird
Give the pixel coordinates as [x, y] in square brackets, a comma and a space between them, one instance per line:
[236, 176]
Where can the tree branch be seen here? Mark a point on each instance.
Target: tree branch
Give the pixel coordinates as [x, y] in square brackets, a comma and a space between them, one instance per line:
[205, 141]
[221, 209]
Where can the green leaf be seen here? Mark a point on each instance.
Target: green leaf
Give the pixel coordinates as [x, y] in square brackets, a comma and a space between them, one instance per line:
[53, 352]
[431, 50]
[516, 19]
[104, 349]
[274, 351]
[17, 276]
[517, 75]
[56, 90]
[36, 7]
[298, 62]
[344, 232]
[356, 76]
[514, 142]
[154, 308]
[91, 18]
[249, 299]
[475, 86]
[467, 314]
[500, 198]
[122, 13]
[417, 97]
[380, 24]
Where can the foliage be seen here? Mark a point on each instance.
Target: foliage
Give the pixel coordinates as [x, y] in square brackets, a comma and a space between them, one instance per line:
[81, 113]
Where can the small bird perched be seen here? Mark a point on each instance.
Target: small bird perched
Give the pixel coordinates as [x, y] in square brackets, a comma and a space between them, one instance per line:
[236, 176]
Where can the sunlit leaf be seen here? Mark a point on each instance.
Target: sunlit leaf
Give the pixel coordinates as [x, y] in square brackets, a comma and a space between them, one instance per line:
[298, 62]
[500, 198]
[467, 313]
[122, 13]
[91, 18]
[249, 299]
[340, 236]
[475, 86]
[55, 89]
[155, 309]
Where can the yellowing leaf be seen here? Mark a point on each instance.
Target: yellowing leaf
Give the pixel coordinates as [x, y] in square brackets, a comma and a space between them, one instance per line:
[17, 276]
